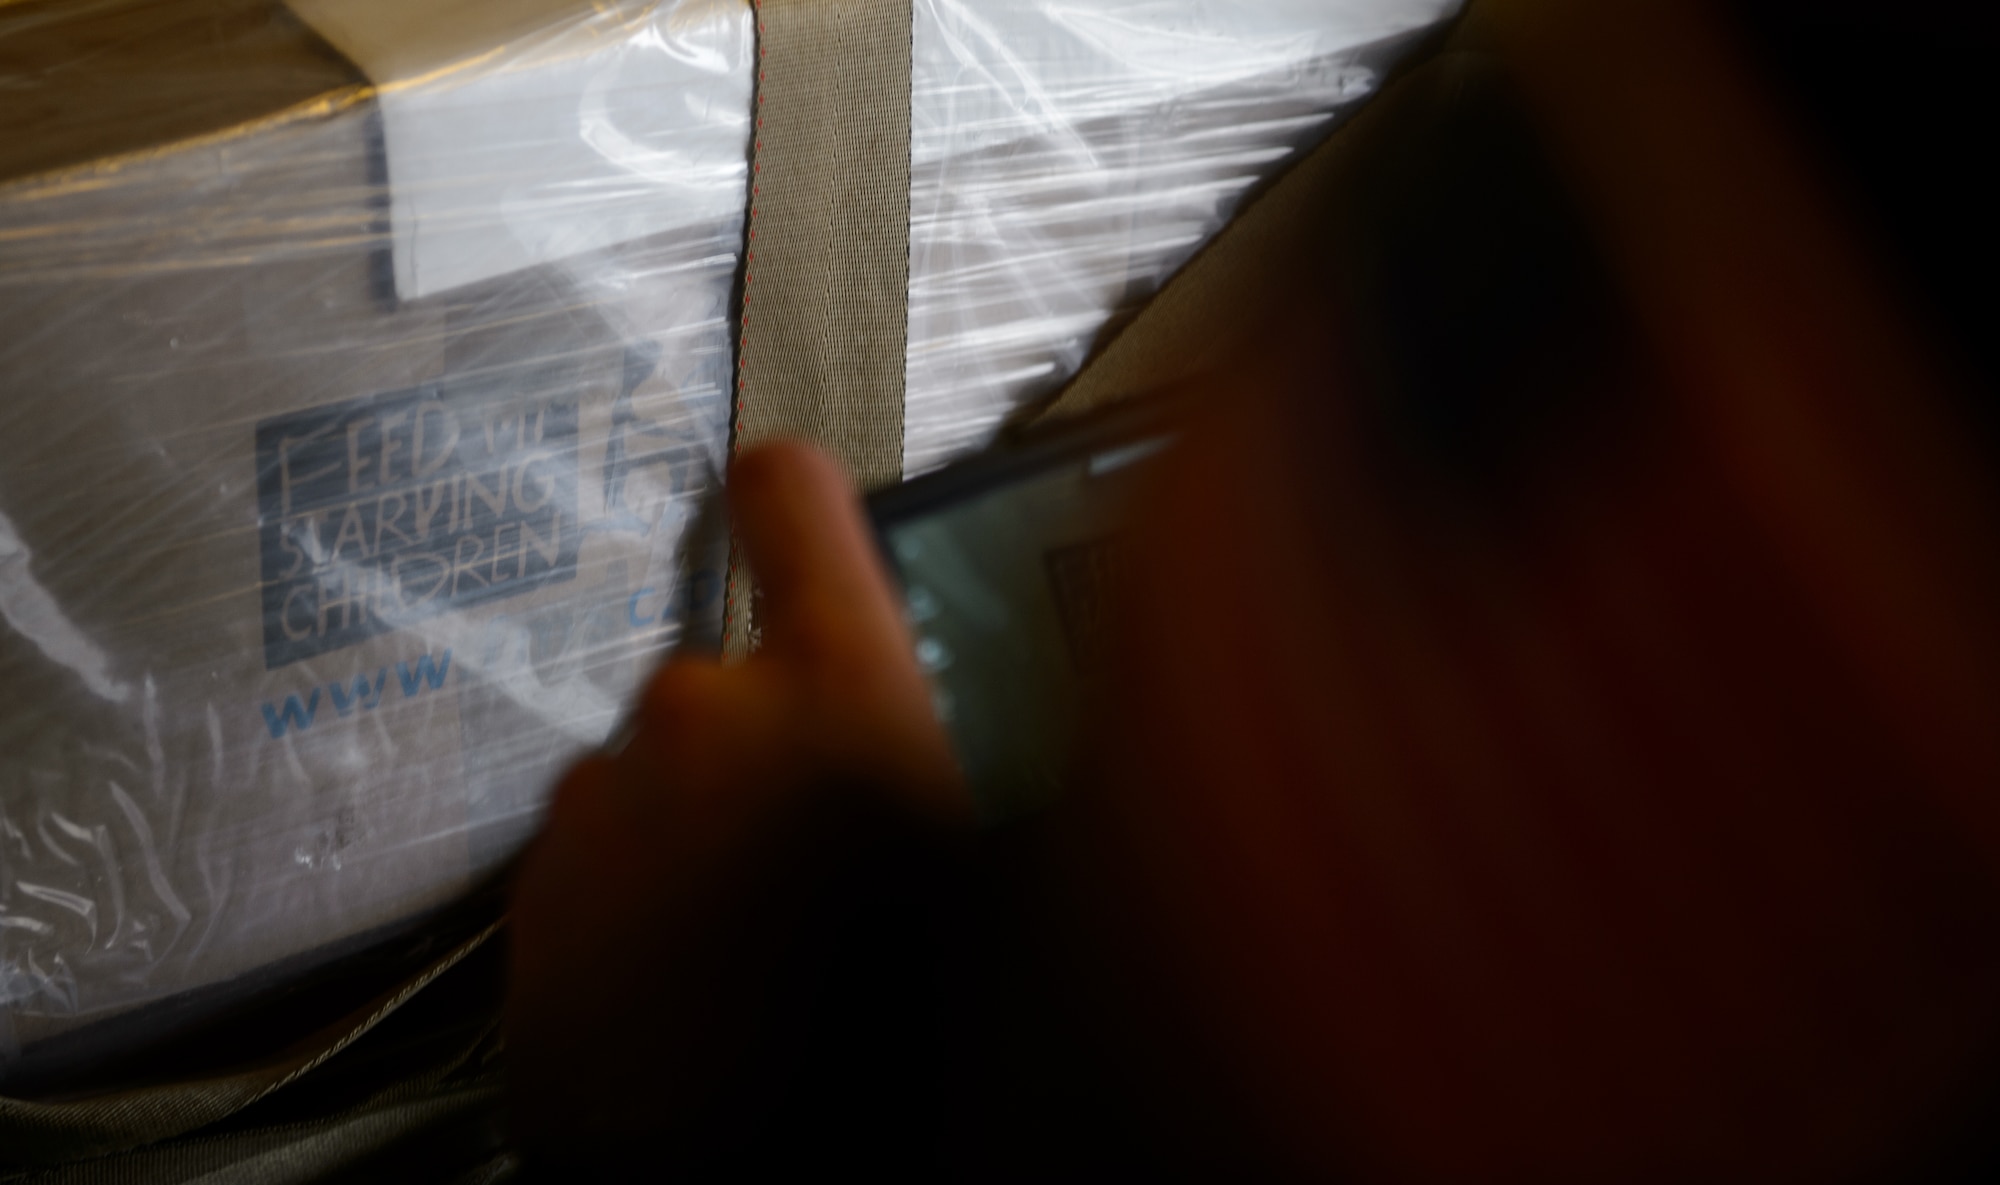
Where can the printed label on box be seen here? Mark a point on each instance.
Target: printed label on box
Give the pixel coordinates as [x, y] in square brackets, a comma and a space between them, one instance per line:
[378, 512]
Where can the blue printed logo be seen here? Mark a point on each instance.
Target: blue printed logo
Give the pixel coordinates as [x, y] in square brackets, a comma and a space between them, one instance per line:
[378, 512]
[297, 714]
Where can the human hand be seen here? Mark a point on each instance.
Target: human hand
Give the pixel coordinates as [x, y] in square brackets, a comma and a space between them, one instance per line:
[649, 913]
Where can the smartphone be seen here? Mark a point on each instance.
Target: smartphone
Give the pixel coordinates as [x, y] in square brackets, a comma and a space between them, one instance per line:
[1008, 562]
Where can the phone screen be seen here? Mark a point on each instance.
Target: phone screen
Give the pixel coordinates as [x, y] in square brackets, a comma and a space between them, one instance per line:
[1008, 564]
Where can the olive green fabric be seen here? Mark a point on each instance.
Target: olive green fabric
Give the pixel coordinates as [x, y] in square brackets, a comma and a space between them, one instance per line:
[346, 1146]
[825, 305]
[92, 1134]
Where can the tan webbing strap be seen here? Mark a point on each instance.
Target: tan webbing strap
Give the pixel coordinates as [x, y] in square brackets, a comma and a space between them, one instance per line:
[826, 273]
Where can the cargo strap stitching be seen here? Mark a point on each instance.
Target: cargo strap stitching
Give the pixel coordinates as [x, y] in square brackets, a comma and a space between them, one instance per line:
[826, 259]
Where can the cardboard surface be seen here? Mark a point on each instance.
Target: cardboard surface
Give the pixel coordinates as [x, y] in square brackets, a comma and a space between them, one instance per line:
[309, 592]
[519, 132]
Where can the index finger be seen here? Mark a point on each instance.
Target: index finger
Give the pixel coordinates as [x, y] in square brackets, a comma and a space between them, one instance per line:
[822, 582]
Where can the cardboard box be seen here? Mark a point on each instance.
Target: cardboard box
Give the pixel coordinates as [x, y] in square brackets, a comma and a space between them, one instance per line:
[308, 592]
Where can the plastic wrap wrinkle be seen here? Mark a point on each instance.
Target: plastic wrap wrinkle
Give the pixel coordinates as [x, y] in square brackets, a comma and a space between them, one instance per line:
[519, 132]
[1069, 155]
[32, 613]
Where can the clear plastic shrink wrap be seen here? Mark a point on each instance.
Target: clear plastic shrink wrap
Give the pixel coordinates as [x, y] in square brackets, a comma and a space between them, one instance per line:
[348, 450]
[363, 367]
[1067, 156]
